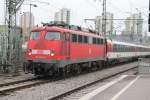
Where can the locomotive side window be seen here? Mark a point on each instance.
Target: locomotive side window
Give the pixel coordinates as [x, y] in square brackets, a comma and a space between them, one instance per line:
[94, 40]
[80, 39]
[103, 41]
[85, 39]
[74, 38]
[98, 41]
[52, 36]
[35, 36]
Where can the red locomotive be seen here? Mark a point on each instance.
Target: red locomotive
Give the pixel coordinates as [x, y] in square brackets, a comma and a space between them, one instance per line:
[56, 50]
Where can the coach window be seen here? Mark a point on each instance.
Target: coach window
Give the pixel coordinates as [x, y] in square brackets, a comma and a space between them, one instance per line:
[74, 38]
[52, 36]
[114, 47]
[124, 48]
[143, 49]
[130, 49]
[80, 39]
[127, 48]
[119, 47]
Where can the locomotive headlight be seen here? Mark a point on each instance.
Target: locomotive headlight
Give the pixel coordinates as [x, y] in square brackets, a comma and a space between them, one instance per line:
[29, 53]
[52, 54]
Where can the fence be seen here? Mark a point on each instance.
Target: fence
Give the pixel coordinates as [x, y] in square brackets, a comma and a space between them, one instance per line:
[14, 50]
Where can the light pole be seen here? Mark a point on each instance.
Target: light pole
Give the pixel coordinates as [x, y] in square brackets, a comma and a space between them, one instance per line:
[31, 5]
[104, 18]
[149, 18]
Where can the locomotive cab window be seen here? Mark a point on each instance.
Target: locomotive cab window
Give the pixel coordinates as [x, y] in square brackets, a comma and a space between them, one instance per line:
[35, 36]
[52, 36]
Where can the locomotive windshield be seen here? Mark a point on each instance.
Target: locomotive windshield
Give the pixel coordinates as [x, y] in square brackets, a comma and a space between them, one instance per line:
[35, 36]
[52, 36]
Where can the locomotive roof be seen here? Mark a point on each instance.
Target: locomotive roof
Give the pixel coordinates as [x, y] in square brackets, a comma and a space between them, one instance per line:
[62, 29]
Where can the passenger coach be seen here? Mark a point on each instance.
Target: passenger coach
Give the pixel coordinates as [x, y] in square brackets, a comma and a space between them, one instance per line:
[121, 51]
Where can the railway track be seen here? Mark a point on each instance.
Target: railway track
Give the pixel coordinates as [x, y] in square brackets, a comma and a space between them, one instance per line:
[18, 85]
[7, 88]
[60, 96]
[17, 82]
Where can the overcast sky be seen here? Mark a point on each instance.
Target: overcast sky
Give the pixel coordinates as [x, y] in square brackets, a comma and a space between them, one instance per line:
[81, 9]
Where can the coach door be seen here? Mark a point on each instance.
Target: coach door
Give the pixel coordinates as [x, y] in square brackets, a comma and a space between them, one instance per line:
[67, 44]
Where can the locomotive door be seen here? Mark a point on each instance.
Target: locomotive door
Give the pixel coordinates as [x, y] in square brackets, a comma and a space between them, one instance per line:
[67, 45]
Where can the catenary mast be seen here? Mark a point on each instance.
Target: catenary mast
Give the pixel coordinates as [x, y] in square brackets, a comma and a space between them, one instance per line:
[11, 8]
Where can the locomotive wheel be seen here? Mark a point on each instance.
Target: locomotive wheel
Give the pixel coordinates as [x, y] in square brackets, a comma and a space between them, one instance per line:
[100, 65]
[78, 69]
[94, 66]
[63, 72]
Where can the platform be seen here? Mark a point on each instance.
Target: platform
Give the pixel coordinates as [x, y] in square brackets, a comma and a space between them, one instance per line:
[125, 87]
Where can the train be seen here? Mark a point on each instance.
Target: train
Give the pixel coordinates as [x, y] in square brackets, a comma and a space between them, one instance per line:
[59, 49]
